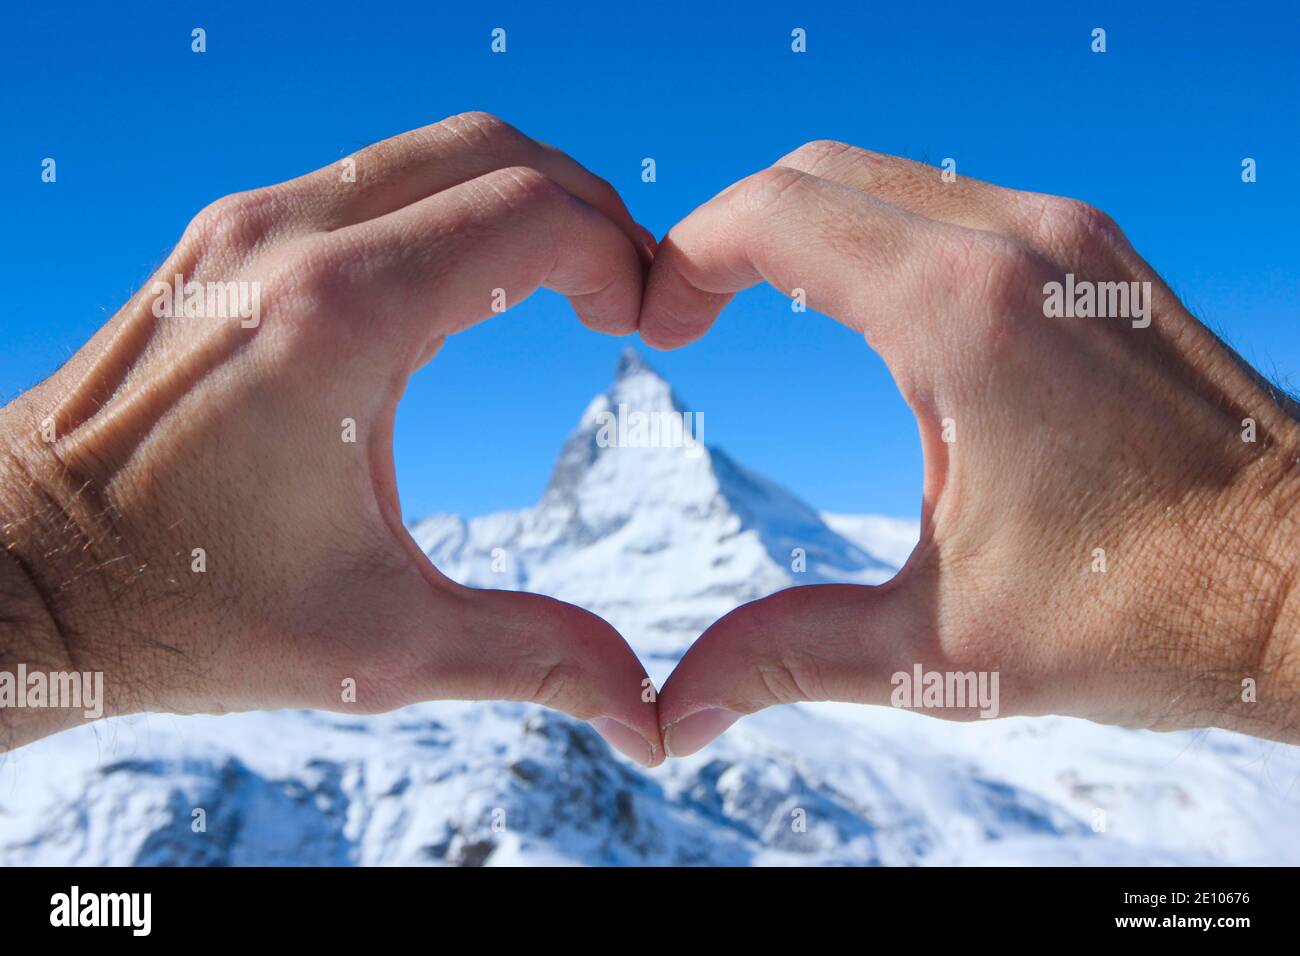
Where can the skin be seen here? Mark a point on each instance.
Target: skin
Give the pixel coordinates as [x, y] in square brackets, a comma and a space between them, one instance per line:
[1071, 435]
[175, 434]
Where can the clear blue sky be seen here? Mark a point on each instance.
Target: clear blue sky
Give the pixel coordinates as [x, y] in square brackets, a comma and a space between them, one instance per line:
[145, 133]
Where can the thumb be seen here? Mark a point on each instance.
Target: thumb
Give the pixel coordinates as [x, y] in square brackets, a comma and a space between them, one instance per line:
[507, 645]
[822, 642]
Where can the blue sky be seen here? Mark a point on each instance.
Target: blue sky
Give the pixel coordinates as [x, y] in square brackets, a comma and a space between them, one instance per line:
[145, 133]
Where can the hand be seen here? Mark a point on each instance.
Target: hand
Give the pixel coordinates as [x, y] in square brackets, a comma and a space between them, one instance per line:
[1095, 530]
[231, 435]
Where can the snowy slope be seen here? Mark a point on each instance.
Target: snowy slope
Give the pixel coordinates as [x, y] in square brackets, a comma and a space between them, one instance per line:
[890, 539]
[661, 541]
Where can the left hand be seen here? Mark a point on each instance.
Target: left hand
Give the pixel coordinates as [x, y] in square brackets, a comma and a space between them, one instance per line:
[215, 524]
[1095, 532]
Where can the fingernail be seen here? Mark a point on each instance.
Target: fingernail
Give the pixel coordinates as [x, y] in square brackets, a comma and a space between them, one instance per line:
[648, 245]
[624, 739]
[695, 731]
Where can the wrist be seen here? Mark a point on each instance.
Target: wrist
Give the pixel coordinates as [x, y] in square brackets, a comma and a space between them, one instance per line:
[1280, 651]
[1267, 559]
[1215, 613]
[53, 676]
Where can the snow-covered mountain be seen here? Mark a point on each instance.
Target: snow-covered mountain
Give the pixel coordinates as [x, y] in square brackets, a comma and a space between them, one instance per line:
[660, 541]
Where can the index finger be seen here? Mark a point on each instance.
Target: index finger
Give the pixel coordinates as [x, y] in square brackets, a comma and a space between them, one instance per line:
[881, 270]
[404, 169]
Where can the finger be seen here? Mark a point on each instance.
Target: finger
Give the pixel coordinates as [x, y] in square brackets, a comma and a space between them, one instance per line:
[563, 657]
[824, 642]
[881, 270]
[449, 642]
[771, 226]
[407, 168]
[435, 267]
[1053, 226]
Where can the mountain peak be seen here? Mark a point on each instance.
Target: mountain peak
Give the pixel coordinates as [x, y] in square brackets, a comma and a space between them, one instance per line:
[637, 389]
[637, 386]
[637, 471]
[631, 363]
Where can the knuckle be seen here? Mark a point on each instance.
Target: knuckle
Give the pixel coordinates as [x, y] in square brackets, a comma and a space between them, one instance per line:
[790, 679]
[555, 687]
[473, 131]
[522, 187]
[478, 129]
[317, 293]
[1076, 223]
[306, 278]
[765, 188]
[999, 273]
[238, 222]
[813, 154]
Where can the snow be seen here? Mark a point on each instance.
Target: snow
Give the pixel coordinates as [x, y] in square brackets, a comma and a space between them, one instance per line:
[661, 542]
